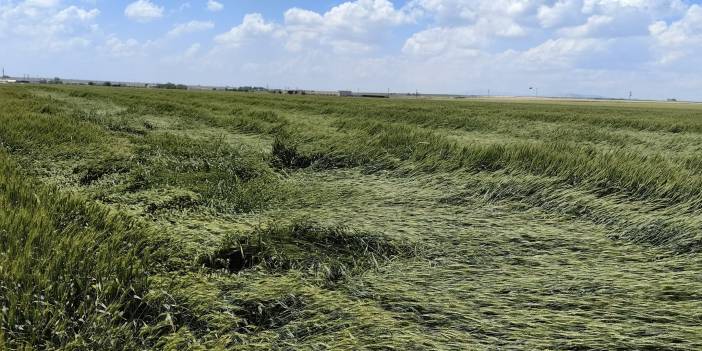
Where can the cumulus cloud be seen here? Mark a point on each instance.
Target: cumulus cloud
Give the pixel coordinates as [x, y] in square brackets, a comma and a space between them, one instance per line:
[680, 38]
[192, 50]
[73, 13]
[347, 27]
[561, 52]
[532, 35]
[560, 13]
[45, 24]
[190, 27]
[351, 28]
[464, 12]
[363, 15]
[456, 41]
[41, 3]
[143, 11]
[438, 45]
[254, 26]
[214, 6]
[468, 27]
[591, 27]
[654, 7]
[687, 30]
[116, 47]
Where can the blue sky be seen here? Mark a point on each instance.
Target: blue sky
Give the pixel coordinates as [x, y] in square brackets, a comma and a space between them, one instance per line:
[593, 47]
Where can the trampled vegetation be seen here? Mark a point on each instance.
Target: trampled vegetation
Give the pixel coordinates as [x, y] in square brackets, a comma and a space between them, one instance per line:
[174, 220]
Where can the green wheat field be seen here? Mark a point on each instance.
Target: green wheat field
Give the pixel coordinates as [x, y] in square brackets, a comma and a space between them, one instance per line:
[145, 219]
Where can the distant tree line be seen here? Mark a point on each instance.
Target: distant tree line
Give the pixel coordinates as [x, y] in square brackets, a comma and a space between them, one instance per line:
[246, 88]
[171, 86]
[56, 80]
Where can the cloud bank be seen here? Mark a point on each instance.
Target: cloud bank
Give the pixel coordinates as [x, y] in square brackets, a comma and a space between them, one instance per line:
[599, 47]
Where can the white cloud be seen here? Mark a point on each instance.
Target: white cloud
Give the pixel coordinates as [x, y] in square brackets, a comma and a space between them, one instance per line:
[42, 3]
[192, 50]
[594, 24]
[303, 26]
[681, 38]
[465, 12]
[549, 14]
[654, 7]
[561, 12]
[351, 28]
[253, 26]
[74, 13]
[190, 27]
[682, 32]
[456, 41]
[46, 25]
[463, 40]
[355, 24]
[143, 11]
[562, 52]
[462, 27]
[73, 43]
[363, 15]
[121, 48]
[432, 45]
[214, 6]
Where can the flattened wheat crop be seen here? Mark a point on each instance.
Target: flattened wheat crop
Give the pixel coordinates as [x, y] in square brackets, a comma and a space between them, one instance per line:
[150, 219]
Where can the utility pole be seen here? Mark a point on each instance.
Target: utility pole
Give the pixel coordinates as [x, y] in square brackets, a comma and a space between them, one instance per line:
[536, 90]
[630, 94]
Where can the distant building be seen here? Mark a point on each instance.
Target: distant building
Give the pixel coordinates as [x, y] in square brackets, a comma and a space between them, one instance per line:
[322, 92]
[345, 93]
[375, 95]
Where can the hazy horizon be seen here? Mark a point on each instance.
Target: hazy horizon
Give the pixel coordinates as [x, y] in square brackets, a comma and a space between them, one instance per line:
[586, 47]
